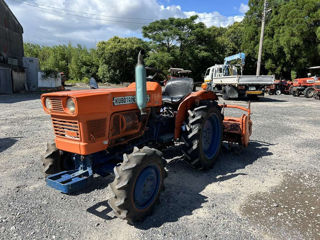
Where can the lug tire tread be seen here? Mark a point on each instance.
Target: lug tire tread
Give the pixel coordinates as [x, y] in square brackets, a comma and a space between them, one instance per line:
[121, 187]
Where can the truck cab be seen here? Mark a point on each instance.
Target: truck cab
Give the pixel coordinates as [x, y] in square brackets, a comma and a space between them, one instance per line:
[218, 71]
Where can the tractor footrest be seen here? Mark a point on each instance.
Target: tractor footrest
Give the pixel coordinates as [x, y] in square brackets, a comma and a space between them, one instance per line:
[69, 181]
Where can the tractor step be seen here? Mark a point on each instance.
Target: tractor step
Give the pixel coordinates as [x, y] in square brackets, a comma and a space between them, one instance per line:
[70, 181]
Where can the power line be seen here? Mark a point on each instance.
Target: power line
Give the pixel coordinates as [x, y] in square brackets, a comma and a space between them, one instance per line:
[70, 12]
[102, 17]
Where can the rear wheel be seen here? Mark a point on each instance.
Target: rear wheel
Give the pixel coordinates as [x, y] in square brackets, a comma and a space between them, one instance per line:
[203, 136]
[308, 93]
[137, 184]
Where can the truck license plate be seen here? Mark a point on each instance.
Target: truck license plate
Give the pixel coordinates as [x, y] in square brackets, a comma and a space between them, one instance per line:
[252, 88]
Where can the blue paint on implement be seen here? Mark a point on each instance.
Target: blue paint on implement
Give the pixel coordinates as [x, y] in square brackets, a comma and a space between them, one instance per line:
[147, 187]
[74, 180]
[211, 136]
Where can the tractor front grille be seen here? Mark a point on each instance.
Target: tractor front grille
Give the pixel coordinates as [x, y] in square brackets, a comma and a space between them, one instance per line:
[56, 104]
[66, 128]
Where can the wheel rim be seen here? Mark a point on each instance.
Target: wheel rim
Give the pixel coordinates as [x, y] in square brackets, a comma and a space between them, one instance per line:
[278, 92]
[146, 187]
[211, 136]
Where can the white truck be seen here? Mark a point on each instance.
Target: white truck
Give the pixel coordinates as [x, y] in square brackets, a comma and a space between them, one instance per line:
[224, 78]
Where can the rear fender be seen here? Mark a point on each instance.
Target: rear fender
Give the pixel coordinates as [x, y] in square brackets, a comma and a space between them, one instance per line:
[187, 104]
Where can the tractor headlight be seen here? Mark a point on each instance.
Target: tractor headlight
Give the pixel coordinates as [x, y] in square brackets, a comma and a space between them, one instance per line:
[48, 104]
[71, 105]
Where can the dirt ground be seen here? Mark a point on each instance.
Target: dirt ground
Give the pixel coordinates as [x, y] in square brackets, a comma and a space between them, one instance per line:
[268, 191]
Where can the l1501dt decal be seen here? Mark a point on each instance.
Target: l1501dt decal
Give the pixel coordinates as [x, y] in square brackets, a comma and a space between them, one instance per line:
[126, 100]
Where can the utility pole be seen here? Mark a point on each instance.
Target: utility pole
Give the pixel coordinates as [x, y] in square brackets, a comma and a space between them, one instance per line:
[261, 37]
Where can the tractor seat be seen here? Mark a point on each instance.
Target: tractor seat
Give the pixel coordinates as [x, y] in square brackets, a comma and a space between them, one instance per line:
[176, 90]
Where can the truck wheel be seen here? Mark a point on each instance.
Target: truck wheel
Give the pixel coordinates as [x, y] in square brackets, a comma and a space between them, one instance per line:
[54, 160]
[137, 184]
[225, 96]
[278, 92]
[203, 136]
[308, 93]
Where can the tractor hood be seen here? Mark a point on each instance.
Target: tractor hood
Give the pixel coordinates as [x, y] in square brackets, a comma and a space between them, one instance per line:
[99, 100]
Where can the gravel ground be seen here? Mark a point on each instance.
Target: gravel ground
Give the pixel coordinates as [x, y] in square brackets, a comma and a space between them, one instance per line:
[268, 191]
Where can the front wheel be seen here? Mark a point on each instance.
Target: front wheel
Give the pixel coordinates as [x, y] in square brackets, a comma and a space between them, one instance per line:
[55, 160]
[203, 136]
[137, 184]
[278, 92]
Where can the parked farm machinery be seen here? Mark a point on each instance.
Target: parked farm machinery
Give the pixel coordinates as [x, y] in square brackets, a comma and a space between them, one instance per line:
[279, 87]
[123, 131]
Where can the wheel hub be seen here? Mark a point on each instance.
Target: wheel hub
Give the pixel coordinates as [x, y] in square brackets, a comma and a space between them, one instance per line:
[146, 187]
[211, 136]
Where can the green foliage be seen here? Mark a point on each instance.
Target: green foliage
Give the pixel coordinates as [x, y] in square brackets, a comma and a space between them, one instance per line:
[291, 36]
[293, 75]
[85, 80]
[183, 43]
[76, 63]
[118, 57]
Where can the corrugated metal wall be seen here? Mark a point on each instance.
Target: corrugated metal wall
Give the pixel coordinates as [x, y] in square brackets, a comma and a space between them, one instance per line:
[19, 81]
[32, 68]
[11, 42]
[5, 81]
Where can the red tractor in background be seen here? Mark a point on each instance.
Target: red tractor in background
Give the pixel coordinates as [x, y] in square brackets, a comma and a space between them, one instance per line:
[305, 86]
[279, 87]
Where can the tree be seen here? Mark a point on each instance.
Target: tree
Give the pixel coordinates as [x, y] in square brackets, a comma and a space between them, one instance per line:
[118, 57]
[83, 64]
[181, 42]
[231, 39]
[291, 40]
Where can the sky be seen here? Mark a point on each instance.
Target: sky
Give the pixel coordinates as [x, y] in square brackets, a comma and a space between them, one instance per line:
[86, 22]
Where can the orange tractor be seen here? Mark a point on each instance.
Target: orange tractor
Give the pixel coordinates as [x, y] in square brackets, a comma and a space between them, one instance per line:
[124, 131]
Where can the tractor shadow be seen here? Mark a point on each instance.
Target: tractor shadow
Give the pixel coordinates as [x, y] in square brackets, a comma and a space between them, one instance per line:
[184, 184]
[96, 183]
[19, 97]
[261, 99]
[6, 143]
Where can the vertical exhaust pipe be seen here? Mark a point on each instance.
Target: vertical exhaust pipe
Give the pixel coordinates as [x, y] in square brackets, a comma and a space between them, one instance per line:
[141, 84]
